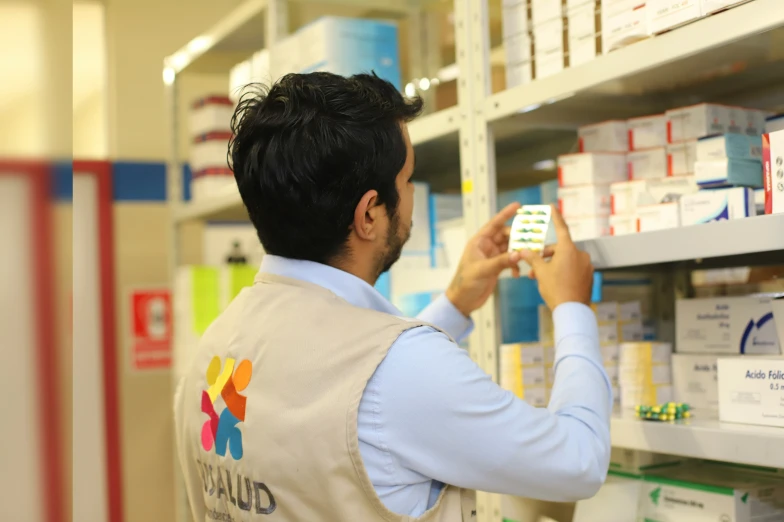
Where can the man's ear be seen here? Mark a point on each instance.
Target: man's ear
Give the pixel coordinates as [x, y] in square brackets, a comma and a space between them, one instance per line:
[367, 215]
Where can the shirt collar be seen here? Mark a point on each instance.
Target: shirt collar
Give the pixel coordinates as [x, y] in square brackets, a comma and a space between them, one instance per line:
[346, 286]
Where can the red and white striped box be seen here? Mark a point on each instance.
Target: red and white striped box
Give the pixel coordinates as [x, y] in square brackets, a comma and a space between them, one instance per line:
[773, 171]
[624, 197]
[681, 158]
[591, 168]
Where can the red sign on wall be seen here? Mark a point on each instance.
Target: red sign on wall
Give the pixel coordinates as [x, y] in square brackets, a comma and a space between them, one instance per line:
[151, 320]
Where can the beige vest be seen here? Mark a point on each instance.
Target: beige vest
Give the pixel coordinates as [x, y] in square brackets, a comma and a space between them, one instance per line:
[267, 414]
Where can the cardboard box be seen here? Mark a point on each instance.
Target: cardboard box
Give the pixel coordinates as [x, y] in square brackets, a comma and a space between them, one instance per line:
[610, 354]
[751, 390]
[735, 146]
[622, 225]
[647, 164]
[583, 20]
[605, 312]
[549, 63]
[624, 23]
[713, 6]
[543, 11]
[516, 19]
[647, 132]
[626, 196]
[608, 334]
[537, 397]
[584, 200]
[591, 168]
[629, 311]
[728, 172]
[211, 114]
[654, 394]
[607, 136]
[773, 161]
[707, 493]
[696, 121]
[585, 228]
[664, 15]
[717, 205]
[644, 375]
[631, 331]
[644, 354]
[725, 326]
[519, 74]
[584, 49]
[750, 122]
[660, 216]
[681, 157]
[695, 382]
[519, 49]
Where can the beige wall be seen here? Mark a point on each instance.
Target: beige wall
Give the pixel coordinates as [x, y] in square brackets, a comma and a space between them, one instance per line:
[140, 33]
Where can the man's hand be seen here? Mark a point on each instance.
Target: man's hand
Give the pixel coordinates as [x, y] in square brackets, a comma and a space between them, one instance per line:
[568, 275]
[484, 258]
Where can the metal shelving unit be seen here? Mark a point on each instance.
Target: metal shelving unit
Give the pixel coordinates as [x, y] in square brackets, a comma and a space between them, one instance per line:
[729, 57]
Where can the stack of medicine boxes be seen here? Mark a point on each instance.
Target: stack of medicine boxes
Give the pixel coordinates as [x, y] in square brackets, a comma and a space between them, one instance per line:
[583, 30]
[550, 37]
[518, 43]
[623, 22]
[729, 165]
[618, 323]
[645, 373]
[584, 178]
[522, 371]
[210, 122]
[657, 177]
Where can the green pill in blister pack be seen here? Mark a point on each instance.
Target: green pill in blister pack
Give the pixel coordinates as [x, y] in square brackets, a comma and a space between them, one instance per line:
[669, 411]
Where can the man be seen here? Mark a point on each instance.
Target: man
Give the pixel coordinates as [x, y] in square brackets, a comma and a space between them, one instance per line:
[310, 399]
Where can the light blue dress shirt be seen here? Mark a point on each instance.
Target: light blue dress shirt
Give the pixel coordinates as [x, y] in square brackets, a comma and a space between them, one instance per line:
[430, 416]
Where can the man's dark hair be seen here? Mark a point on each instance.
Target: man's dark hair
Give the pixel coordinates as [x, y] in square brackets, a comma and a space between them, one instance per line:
[306, 151]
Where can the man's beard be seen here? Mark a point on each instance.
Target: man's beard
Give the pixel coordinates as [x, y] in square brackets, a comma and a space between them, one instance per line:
[394, 244]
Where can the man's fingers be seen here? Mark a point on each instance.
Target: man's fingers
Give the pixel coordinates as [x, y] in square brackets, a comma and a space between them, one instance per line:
[500, 219]
[496, 264]
[561, 229]
[548, 251]
[501, 238]
[534, 259]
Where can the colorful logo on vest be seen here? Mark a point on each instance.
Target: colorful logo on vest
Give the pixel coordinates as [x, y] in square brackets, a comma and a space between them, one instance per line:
[221, 431]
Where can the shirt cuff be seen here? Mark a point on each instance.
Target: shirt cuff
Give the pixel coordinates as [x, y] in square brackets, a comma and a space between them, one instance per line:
[576, 319]
[443, 314]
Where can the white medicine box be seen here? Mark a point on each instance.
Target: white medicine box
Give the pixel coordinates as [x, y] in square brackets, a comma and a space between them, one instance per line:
[591, 168]
[695, 382]
[717, 205]
[773, 165]
[584, 200]
[664, 15]
[607, 136]
[516, 18]
[647, 164]
[543, 11]
[623, 23]
[696, 121]
[726, 326]
[647, 132]
[751, 390]
[681, 158]
[660, 216]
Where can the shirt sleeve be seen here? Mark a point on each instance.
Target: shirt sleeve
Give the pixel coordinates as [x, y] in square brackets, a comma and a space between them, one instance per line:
[445, 419]
[443, 314]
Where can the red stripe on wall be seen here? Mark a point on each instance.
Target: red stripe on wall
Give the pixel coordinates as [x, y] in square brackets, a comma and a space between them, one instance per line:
[52, 473]
[102, 171]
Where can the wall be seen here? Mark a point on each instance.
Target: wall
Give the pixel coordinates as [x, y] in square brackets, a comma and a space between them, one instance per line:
[139, 34]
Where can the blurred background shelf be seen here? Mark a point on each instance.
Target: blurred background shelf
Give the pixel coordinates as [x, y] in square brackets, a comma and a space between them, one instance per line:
[702, 439]
[751, 241]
